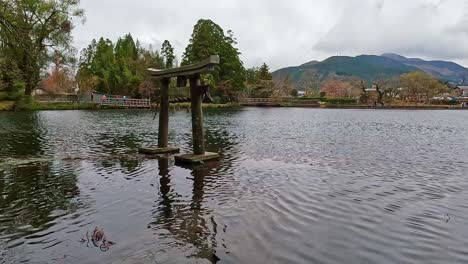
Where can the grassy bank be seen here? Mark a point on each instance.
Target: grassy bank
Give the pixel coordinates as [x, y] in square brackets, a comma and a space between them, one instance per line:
[6, 105]
[33, 106]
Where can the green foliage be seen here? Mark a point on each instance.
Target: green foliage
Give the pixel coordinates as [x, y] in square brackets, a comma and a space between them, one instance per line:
[264, 72]
[167, 52]
[6, 105]
[207, 39]
[444, 102]
[33, 106]
[294, 93]
[365, 67]
[420, 87]
[305, 98]
[116, 69]
[261, 89]
[339, 100]
[15, 93]
[32, 33]
[259, 82]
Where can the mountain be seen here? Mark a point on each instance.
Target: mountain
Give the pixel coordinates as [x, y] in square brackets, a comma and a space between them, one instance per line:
[444, 70]
[367, 67]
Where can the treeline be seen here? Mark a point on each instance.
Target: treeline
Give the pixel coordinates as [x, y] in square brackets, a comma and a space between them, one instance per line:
[36, 51]
[121, 68]
[414, 87]
[260, 84]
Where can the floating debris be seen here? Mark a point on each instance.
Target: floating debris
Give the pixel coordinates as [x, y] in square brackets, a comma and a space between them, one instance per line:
[98, 238]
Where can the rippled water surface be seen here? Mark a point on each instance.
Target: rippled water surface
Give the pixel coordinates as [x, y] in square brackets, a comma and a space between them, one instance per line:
[293, 186]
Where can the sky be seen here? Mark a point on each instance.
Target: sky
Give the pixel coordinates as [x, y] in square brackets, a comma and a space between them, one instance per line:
[288, 33]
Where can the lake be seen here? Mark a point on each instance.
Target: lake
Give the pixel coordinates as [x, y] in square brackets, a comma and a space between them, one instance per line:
[293, 186]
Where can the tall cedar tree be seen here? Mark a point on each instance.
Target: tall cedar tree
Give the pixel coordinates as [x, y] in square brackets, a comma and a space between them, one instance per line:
[207, 39]
[167, 52]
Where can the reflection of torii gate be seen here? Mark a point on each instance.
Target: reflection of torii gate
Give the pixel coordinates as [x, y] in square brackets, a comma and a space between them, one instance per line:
[192, 73]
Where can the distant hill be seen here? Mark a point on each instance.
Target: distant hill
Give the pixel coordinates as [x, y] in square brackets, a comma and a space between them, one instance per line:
[444, 70]
[367, 67]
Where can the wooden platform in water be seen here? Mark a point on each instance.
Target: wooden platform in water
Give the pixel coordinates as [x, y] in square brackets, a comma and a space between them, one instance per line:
[194, 159]
[156, 150]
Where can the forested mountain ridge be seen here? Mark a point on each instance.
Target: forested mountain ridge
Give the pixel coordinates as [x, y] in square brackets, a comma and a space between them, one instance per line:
[369, 68]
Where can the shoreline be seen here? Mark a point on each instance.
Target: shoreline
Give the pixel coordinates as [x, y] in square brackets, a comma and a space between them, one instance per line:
[38, 106]
[393, 107]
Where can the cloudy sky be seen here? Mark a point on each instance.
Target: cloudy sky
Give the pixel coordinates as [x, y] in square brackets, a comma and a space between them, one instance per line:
[284, 33]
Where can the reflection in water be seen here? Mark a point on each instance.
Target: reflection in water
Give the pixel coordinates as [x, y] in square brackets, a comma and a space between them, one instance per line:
[187, 222]
[33, 189]
[22, 135]
[293, 186]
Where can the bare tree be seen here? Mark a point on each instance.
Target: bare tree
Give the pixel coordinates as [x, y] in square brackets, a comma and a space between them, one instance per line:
[386, 88]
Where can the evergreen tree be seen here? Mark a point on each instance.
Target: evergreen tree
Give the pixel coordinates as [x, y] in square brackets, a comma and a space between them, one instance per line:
[264, 72]
[167, 51]
[207, 39]
[118, 69]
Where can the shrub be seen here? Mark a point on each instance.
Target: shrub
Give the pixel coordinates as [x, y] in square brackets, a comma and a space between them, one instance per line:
[444, 102]
[308, 98]
[339, 100]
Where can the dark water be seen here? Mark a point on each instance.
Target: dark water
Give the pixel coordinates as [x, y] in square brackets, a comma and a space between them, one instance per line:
[293, 186]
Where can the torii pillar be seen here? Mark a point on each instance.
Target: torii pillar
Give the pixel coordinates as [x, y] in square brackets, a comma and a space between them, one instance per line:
[191, 72]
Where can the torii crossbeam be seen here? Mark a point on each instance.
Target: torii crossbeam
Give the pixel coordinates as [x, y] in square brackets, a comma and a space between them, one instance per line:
[192, 73]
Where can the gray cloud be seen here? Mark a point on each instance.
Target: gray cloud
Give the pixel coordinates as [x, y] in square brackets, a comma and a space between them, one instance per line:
[284, 33]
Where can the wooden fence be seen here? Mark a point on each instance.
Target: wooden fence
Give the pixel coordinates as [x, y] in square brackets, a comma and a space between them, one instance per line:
[278, 102]
[126, 103]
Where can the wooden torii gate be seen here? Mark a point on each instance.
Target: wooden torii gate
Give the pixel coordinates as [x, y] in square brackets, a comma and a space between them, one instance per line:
[192, 73]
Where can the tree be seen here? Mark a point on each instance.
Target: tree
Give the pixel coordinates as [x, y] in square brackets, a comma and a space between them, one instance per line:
[147, 88]
[118, 69]
[340, 88]
[59, 80]
[258, 84]
[207, 39]
[261, 89]
[264, 72]
[167, 52]
[294, 93]
[286, 86]
[30, 31]
[364, 94]
[251, 75]
[420, 87]
[386, 88]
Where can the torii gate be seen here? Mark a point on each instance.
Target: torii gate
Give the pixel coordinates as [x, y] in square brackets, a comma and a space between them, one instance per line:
[192, 73]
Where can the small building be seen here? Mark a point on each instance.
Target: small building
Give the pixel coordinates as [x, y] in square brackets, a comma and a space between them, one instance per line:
[38, 91]
[463, 91]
